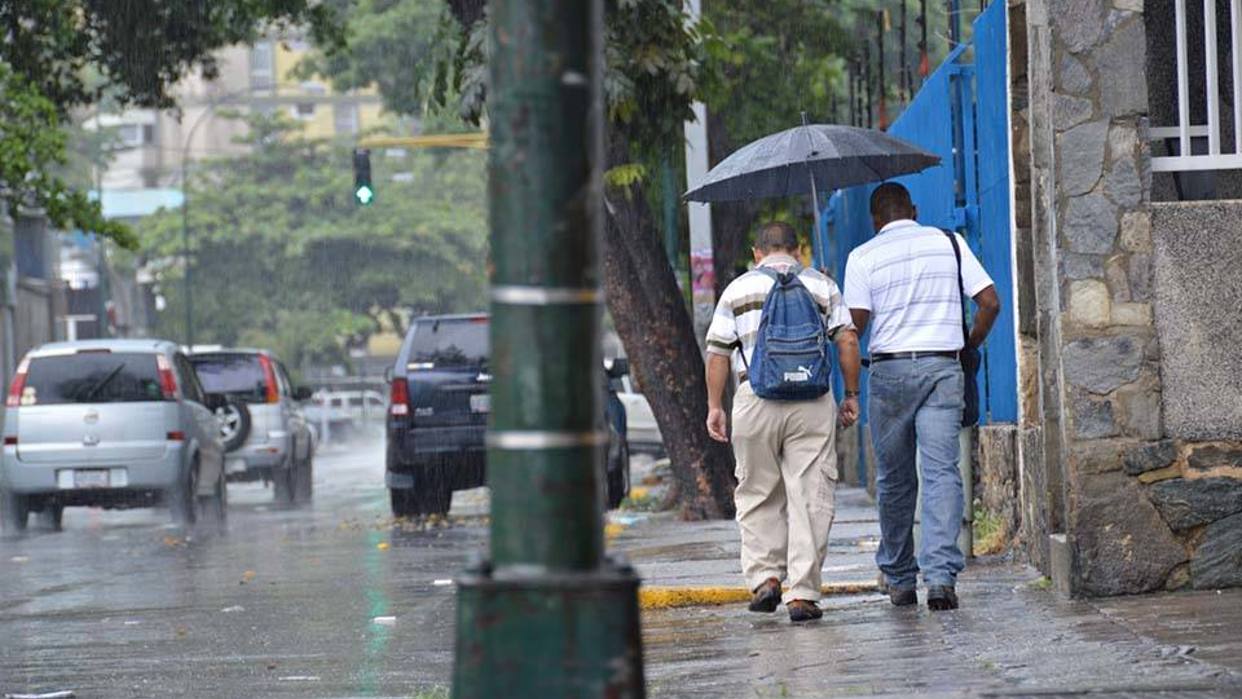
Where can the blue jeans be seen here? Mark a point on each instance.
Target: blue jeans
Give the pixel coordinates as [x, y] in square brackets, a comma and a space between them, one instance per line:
[917, 404]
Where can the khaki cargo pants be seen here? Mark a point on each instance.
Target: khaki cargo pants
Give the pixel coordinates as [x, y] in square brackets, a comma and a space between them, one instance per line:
[786, 490]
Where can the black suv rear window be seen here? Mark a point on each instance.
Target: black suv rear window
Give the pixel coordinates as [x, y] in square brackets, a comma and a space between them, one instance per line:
[458, 342]
[239, 375]
[92, 377]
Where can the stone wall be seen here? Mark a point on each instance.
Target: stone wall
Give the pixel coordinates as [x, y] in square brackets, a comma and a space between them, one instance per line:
[1112, 468]
[998, 459]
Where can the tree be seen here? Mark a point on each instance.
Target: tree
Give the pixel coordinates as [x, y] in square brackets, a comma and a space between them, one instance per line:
[284, 258]
[757, 64]
[62, 55]
[653, 58]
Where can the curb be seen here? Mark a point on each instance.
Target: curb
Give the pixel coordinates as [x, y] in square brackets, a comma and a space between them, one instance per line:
[657, 597]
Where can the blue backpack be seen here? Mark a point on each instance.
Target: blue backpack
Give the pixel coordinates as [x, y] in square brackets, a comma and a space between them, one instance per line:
[791, 360]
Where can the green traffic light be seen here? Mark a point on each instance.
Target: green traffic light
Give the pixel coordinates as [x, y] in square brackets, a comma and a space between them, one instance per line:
[364, 195]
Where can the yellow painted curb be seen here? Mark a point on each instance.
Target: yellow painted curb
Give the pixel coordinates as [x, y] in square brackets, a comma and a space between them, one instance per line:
[655, 597]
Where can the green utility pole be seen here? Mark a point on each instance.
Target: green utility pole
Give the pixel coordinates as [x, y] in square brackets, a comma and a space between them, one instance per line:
[547, 615]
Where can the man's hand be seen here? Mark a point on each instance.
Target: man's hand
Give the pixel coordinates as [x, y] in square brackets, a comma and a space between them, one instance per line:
[717, 375]
[848, 413]
[716, 425]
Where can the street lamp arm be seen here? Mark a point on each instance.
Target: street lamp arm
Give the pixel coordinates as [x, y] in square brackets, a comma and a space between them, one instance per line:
[208, 109]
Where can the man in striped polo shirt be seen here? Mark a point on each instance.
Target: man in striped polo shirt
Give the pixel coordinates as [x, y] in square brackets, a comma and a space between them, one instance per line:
[785, 450]
[905, 283]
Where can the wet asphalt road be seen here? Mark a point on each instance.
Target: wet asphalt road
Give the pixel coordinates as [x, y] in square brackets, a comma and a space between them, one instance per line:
[122, 604]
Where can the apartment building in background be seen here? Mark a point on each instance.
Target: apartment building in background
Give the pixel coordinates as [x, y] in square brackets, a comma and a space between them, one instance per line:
[155, 150]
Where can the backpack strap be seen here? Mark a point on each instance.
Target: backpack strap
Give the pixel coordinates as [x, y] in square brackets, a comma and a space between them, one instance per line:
[795, 270]
[775, 276]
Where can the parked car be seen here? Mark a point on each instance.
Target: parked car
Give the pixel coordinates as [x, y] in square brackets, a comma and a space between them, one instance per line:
[438, 412]
[114, 424]
[265, 433]
[346, 411]
[643, 432]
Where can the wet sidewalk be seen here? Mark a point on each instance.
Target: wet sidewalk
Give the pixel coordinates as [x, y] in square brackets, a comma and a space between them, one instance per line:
[1012, 636]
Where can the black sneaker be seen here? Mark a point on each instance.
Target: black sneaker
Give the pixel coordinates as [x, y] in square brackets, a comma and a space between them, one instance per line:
[902, 596]
[767, 596]
[804, 610]
[941, 598]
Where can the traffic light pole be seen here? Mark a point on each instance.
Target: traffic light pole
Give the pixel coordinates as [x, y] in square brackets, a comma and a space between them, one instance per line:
[548, 615]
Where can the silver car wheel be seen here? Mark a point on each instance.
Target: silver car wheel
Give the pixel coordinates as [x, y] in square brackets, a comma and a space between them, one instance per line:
[230, 421]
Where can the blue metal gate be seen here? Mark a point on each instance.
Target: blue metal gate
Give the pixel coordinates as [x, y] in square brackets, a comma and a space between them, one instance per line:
[964, 103]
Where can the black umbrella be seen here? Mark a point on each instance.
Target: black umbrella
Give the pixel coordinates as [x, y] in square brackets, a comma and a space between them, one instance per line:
[822, 157]
[809, 159]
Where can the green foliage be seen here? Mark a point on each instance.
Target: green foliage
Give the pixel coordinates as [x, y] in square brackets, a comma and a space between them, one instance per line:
[284, 258]
[769, 61]
[653, 55]
[394, 46]
[59, 55]
[420, 59]
[32, 145]
[625, 176]
[988, 531]
[136, 49]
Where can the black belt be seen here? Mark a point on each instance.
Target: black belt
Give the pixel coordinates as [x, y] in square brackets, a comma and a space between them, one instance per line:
[885, 356]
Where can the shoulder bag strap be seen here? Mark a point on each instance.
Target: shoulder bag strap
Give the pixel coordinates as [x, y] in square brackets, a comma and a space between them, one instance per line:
[961, 287]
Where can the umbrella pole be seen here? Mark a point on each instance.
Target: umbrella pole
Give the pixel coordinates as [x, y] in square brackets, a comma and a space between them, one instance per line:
[815, 213]
[814, 193]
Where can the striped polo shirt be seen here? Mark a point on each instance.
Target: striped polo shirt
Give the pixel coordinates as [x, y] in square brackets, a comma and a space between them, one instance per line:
[736, 321]
[906, 276]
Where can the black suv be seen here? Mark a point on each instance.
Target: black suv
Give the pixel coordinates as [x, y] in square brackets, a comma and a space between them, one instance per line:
[438, 411]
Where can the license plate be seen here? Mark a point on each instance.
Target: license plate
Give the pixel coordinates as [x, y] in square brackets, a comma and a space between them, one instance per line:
[235, 466]
[91, 478]
[481, 403]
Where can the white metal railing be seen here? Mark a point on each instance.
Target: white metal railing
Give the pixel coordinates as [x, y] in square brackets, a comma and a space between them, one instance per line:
[1214, 159]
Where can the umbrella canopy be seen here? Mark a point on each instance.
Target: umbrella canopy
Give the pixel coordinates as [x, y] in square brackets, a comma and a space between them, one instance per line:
[808, 159]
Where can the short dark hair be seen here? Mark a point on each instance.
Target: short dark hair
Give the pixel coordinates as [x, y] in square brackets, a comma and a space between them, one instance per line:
[891, 201]
[777, 235]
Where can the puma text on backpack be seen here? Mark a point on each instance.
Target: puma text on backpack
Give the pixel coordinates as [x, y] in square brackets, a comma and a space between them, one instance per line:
[790, 361]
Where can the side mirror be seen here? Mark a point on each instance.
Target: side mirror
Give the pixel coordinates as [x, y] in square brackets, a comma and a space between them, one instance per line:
[302, 393]
[618, 367]
[215, 401]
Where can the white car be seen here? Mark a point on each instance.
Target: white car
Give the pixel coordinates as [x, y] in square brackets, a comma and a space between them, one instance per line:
[642, 432]
[357, 406]
[265, 434]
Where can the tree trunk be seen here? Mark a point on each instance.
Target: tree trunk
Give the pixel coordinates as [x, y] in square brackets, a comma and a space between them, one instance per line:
[731, 221]
[651, 318]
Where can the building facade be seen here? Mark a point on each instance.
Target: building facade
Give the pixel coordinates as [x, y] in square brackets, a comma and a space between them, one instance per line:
[1131, 469]
[1092, 155]
[153, 145]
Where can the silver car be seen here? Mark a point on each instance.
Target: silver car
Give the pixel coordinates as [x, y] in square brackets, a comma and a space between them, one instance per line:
[110, 423]
[265, 433]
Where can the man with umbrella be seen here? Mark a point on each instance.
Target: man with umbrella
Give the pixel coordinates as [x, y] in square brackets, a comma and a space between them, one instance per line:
[908, 283]
[786, 447]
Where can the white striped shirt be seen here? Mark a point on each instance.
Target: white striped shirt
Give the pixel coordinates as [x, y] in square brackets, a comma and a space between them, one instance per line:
[906, 276]
[736, 321]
